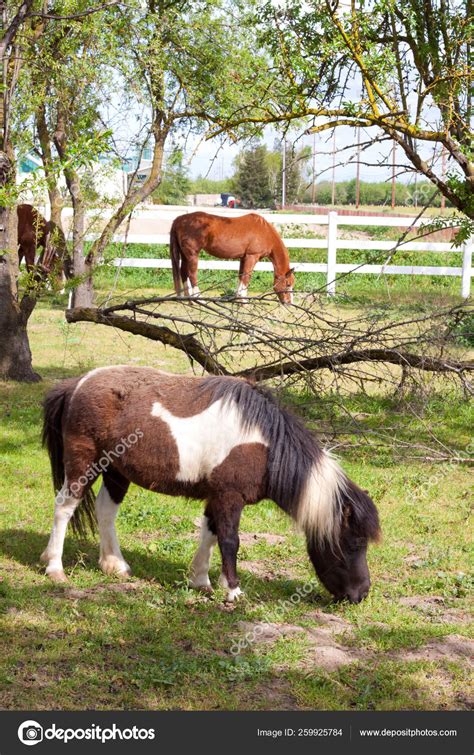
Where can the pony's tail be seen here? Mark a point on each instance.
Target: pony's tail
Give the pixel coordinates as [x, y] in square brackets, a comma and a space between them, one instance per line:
[54, 408]
[175, 254]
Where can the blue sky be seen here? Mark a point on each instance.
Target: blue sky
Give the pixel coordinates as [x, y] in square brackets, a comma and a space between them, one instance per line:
[205, 158]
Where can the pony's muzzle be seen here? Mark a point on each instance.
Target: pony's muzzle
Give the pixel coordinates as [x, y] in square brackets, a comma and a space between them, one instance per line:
[357, 594]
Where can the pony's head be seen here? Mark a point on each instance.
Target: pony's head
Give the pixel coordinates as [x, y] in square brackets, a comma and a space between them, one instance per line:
[283, 286]
[340, 557]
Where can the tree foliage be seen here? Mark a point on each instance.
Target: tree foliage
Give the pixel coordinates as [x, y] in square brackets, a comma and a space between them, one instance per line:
[252, 179]
[401, 67]
[175, 184]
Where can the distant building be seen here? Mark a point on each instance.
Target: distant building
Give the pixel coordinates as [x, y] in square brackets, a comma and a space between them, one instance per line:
[108, 182]
[137, 168]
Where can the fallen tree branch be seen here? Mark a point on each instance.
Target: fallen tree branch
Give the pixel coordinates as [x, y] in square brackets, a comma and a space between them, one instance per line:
[196, 351]
[184, 342]
[391, 356]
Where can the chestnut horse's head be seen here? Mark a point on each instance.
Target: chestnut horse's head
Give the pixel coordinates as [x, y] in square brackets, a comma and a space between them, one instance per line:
[283, 286]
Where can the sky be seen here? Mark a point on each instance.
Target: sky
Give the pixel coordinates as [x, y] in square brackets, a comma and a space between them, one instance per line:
[206, 159]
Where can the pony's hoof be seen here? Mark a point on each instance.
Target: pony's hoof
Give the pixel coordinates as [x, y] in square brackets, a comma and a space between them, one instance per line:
[201, 585]
[233, 595]
[206, 589]
[114, 567]
[57, 575]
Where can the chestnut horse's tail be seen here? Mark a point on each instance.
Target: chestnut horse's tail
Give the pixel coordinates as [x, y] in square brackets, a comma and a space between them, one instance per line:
[175, 254]
[55, 408]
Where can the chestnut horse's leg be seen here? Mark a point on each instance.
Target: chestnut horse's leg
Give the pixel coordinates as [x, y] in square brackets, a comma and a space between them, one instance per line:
[64, 508]
[227, 509]
[111, 560]
[192, 275]
[247, 264]
[188, 291]
[199, 577]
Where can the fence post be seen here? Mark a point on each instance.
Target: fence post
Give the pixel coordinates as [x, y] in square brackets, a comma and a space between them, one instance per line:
[466, 268]
[332, 249]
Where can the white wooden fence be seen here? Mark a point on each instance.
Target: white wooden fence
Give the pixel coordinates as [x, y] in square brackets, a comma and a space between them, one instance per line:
[331, 267]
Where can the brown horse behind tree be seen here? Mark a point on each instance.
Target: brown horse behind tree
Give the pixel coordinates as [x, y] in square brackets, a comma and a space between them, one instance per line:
[41, 243]
[247, 238]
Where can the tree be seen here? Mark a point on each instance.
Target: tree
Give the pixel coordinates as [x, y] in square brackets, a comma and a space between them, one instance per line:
[252, 180]
[409, 58]
[167, 58]
[68, 73]
[295, 166]
[188, 62]
[203, 185]
[175, 184]
[15, 310]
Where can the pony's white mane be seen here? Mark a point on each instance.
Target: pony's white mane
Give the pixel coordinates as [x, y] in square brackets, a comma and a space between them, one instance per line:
[319, 508]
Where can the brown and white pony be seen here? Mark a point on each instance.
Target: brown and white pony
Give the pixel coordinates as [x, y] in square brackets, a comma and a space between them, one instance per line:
[41, 243]
[248, 238]
[214, 438]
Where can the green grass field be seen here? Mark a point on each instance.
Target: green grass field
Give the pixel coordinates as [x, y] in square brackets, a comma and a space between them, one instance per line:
[98, 643]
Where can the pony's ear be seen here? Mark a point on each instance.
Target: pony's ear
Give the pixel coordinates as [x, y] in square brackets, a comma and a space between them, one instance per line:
[291, 271]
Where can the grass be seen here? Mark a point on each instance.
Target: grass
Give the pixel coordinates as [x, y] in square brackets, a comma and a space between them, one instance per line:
[154, 643]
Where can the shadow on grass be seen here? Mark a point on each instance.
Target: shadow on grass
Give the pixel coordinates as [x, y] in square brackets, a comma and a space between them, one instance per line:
[144, 649]
[26, 546]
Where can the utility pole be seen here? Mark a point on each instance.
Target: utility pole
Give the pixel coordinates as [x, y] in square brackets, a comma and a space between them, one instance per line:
[333, 192]
[283, 176]
[394, 150]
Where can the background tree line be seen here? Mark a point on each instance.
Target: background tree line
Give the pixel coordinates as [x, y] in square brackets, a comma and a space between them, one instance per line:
[258, 178]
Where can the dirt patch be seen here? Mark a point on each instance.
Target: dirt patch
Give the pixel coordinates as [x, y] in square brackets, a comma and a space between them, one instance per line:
[329, 622]
[73, 593]
[263, 571]
[326, 652]
[450, 648]
[273, 695]
[323, 651]
[261, 631]
[433, 607]
[353, 234]
[249, 538]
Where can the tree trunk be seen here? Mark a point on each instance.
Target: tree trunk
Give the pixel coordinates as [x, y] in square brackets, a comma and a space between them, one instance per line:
[83, 293]
[44, 137]
[15, 353]
[134, 197]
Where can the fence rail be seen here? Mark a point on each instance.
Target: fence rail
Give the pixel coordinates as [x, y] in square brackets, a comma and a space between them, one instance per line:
[331, 267]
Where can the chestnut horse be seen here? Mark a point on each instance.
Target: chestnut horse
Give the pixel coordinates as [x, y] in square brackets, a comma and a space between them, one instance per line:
[41, 242]
[247, 238]
[220, 439]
